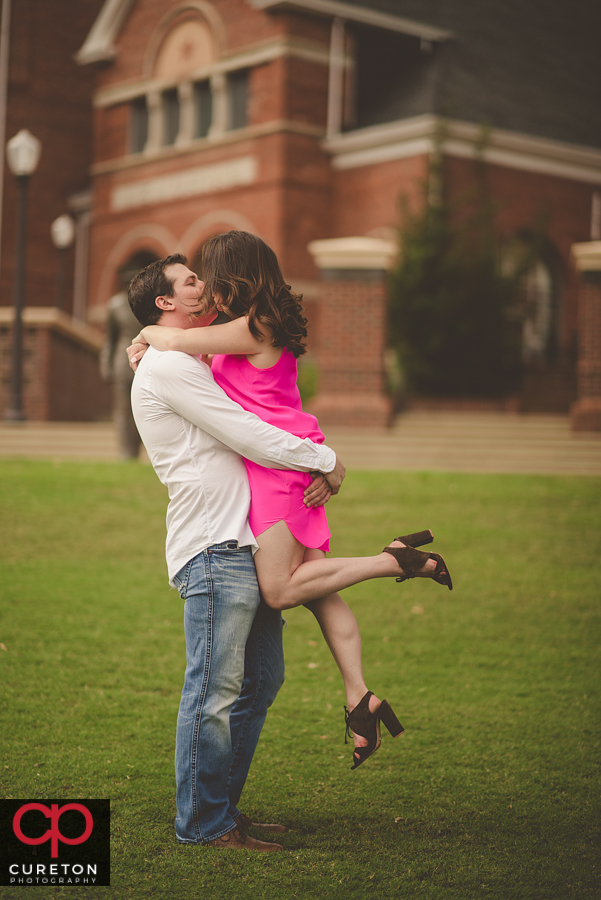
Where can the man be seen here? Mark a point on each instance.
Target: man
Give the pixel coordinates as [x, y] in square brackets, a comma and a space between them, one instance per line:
[195, 437]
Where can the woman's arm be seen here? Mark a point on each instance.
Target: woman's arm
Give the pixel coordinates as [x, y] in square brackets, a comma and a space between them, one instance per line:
[233, 337]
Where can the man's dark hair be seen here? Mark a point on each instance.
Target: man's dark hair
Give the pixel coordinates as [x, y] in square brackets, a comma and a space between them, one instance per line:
[150, 283]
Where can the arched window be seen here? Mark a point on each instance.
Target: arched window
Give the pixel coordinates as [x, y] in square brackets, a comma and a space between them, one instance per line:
[187, 47]
[191, 94]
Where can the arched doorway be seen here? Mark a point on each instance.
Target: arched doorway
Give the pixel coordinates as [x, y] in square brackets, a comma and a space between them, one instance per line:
[549, 377]
[537, 290]
[132, 266]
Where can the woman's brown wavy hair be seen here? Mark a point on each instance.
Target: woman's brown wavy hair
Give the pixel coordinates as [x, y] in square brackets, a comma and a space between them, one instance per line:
[246, 274]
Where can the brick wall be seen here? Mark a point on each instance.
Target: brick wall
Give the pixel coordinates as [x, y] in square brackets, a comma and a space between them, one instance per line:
[51, 96]
[111, 125]
[367, 197]
[288, 206]
[61, 377]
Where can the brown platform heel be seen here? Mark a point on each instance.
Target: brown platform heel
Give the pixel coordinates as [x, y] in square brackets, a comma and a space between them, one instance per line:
[412, 561]
[365, 723]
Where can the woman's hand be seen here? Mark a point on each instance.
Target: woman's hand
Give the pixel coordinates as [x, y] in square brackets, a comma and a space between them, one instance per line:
[318, 493]
[136, 351]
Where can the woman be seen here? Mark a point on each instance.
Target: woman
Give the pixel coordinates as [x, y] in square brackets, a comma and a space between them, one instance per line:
[254, 362]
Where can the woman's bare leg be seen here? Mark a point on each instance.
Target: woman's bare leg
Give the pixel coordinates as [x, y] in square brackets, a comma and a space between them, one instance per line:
[337, 622]
[340, 630]
[341, 633]
[286, 581]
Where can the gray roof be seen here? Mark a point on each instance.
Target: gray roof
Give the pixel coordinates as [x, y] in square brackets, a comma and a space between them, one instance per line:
[531, 66]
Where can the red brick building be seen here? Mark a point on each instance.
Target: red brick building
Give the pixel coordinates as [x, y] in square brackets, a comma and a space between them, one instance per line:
[43, 90]
[305, 120]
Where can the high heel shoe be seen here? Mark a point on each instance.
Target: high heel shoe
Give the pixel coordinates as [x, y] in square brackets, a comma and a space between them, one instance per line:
[412, 561]
[418, 539]
[365, 723]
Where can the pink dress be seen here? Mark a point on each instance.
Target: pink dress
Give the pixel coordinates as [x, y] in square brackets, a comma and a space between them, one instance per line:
[273, 395]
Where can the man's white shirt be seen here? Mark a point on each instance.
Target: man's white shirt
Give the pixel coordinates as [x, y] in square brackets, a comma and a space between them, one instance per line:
[195, 437]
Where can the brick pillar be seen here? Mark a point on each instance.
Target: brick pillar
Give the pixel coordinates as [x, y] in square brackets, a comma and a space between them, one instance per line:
[351, 339]
[585, 414]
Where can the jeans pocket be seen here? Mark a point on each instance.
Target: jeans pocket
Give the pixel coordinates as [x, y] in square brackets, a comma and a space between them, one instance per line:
[181, 579]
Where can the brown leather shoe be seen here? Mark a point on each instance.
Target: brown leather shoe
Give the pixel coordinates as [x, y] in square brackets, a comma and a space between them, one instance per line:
[238, 839]
[245, 823]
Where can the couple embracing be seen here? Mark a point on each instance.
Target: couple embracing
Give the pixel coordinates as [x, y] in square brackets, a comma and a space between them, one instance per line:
[248, 475]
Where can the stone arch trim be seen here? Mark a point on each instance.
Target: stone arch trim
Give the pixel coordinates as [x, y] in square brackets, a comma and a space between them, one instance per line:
[201, 7]
[142, 237]
[202, 227]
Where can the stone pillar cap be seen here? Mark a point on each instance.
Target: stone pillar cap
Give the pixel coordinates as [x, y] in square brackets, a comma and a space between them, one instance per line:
[587, 256]
[354, 253]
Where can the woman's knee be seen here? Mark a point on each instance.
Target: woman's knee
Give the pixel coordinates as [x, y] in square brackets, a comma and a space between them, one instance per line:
[274, 599]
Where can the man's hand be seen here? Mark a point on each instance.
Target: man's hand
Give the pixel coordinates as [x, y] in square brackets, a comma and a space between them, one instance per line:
[336, 476]
[318, 493]
[136, 351]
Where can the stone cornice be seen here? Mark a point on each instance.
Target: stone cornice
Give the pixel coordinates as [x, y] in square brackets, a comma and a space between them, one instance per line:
[99, 46]
[346, 253]
[136, 160]
[363, 14]
[425, 134]
[57, 320]
[587, 256]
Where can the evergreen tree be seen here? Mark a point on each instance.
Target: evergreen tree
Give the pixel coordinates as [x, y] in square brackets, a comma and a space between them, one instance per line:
[454, 313]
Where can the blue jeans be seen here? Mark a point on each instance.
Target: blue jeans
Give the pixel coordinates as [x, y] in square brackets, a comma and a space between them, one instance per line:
[234, 669]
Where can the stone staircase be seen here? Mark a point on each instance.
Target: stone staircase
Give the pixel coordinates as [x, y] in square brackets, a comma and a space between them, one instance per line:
[473, 442]
[446, 441]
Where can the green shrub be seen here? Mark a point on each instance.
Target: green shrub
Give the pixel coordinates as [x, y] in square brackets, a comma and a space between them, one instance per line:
[455, 318]
[307, 378]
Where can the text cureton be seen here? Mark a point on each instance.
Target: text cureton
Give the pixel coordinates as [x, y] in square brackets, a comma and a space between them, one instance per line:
[53, 869]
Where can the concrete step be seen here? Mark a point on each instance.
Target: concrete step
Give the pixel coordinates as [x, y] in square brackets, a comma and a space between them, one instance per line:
[63, 440]
[472, 442]
[445, 441]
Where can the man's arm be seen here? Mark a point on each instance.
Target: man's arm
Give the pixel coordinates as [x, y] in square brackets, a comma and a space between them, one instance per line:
[187, 386]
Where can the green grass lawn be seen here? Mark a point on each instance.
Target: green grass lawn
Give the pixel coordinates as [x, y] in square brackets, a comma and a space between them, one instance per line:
[492, 792]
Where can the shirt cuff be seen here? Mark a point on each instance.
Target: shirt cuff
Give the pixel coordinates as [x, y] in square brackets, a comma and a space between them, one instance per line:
[328, 459]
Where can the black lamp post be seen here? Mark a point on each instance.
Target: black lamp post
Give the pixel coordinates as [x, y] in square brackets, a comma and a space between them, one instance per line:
[22, 156]
[62, 232]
